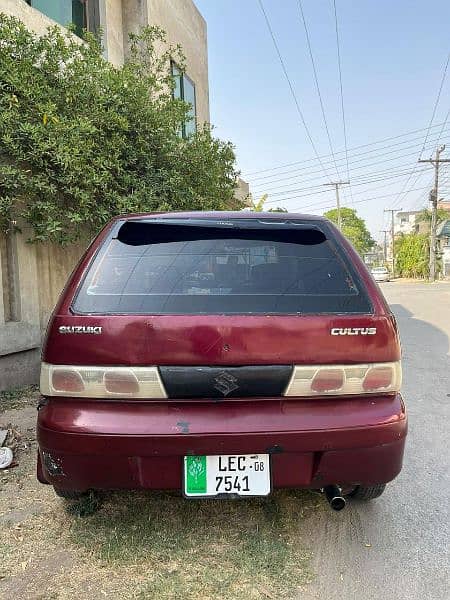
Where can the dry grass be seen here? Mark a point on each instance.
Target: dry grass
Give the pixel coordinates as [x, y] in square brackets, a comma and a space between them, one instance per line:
[18, 398]
[148, 545]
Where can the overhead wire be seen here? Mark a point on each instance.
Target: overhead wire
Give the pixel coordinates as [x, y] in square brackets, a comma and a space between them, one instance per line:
[444, 74]
[402, 194]
[315, 193]
[291, 87]
[359, 160]
[316, 206]
[292, 186]
[363, 179]
[341, 88]
[376, 142]
[356, 154]
[443, 125]
[316, 80]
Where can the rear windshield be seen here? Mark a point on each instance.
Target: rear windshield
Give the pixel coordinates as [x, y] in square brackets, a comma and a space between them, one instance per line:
[231, 267]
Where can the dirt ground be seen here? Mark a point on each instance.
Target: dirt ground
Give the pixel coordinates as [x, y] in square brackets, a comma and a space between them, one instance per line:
[142, 545]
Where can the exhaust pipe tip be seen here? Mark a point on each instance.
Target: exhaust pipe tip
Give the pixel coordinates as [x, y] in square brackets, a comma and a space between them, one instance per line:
[333, 494]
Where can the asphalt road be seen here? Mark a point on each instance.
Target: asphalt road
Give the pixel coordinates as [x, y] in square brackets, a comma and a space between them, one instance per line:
[398, 545]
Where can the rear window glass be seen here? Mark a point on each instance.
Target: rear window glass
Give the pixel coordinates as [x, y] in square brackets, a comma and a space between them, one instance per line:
[221, 268]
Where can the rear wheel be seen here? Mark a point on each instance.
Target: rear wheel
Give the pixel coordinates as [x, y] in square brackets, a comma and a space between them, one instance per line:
[367, 493]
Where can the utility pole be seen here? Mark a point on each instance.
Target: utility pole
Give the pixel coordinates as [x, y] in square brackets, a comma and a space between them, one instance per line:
[436, 161]
[336, 185]
[385, 231]
[392, 211]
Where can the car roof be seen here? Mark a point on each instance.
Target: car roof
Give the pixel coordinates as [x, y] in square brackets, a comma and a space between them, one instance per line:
[222, 214]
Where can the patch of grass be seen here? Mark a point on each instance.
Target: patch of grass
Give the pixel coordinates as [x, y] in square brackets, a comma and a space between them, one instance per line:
[202, 549]
[18, 398]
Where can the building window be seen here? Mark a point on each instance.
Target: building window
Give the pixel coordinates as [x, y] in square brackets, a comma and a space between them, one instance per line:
[184, 89]
[10, 284]
[65, 12]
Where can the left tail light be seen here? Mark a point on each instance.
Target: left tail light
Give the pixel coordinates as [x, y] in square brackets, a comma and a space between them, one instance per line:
[101, 382]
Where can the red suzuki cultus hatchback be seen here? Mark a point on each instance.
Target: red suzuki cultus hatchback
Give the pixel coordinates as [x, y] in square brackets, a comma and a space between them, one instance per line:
[223, 355]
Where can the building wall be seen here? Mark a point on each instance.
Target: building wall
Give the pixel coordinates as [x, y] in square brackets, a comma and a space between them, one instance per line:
[111, 19]
[405, 222]
[54, 264]
[40, 272]
[242, 192]
[446, 261]
[184, 25]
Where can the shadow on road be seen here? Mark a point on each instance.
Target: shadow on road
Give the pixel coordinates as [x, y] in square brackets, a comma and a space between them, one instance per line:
[416, 332]
[425, 354]
[357, 553]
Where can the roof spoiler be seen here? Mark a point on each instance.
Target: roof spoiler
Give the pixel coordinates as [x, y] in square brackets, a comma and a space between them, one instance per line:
[158, 231]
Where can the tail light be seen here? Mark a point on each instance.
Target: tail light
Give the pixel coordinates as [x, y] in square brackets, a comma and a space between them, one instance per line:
[345, 380]
[145, 382]
[101, 382]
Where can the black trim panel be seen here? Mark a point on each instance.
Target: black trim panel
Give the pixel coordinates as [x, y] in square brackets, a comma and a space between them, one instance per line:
[225, 382]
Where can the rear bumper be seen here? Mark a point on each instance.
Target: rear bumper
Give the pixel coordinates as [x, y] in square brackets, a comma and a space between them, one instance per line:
[106, 445]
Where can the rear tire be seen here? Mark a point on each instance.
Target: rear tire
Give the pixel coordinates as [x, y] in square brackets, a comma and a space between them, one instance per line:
[368, 493]
[69, 494]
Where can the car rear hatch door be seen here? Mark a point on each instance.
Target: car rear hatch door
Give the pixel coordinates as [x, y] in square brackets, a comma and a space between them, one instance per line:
[224, 307]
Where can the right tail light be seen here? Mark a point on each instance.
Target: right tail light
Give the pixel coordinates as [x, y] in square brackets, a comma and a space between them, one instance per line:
[345, 380]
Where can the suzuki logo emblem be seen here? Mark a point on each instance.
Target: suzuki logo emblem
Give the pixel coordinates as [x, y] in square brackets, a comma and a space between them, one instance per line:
[225, 383]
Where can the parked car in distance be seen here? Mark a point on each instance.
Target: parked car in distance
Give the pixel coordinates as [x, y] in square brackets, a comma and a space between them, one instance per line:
[381, 274]
[221, 354]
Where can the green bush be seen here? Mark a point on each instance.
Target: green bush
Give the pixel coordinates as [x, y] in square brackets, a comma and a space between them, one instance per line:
[412, 255]
[82, 140]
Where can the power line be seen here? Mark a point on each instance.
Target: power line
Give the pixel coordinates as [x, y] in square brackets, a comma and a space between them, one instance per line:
[376, 177]
[444, 74]
[395, 137]
[308, 195]
[294, 96]
[443, 125]
[361, 160]
[294, 185]
[356, 201]
[304, 168]
[340, 83]
[316, 79]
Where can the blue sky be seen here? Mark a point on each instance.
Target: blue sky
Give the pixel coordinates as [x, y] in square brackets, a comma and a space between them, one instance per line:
[393, 54]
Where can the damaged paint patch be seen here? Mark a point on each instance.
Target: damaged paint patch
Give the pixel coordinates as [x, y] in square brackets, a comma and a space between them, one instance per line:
[52, 464]
[183, 426]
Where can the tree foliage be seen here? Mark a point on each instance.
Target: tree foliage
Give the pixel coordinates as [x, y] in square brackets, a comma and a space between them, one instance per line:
[82, 140]
[425, 215]
[412, 255]
[354, 228]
